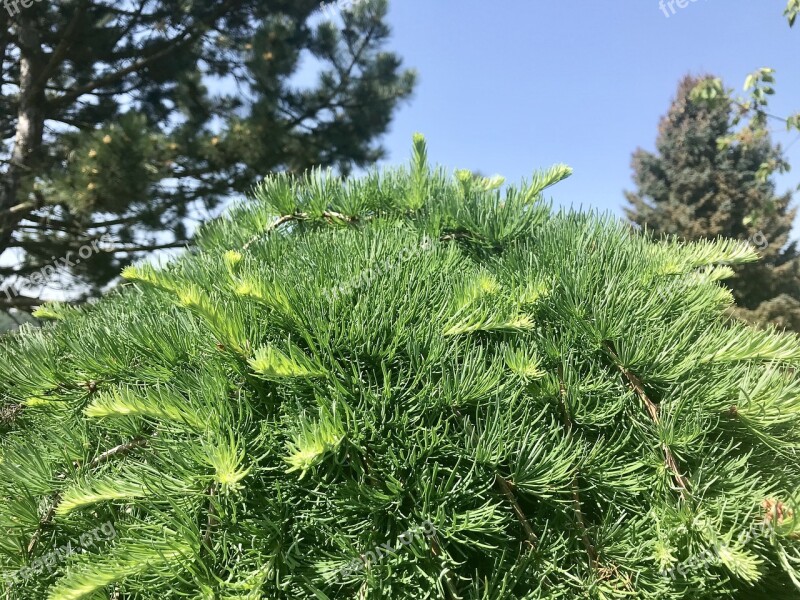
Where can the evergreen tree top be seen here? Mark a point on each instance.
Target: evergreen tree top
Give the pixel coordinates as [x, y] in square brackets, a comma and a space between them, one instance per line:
[405, 386]
[709, 178]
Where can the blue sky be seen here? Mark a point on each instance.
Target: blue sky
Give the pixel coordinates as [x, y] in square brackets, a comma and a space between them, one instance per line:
[513, 85]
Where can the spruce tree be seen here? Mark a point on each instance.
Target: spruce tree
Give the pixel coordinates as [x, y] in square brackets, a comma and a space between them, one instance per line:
[702, 184]
[405, 386]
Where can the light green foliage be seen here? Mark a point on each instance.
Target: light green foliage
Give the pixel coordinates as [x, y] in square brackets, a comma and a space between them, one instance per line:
[562, 399]
[752, 110]
[792, 10]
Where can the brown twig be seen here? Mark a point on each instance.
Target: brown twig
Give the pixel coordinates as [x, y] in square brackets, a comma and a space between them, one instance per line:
[653, 410]
[505, 488]
[43, 523]
[120, 450]
[577, 505]
[451, 586]
[272, 227]
[328, 214]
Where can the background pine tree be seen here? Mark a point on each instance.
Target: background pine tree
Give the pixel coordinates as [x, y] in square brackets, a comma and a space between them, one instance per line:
[405, 386]
[695, 187]
[135, 119]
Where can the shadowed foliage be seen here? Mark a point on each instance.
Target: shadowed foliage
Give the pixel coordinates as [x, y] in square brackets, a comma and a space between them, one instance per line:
[135, 119]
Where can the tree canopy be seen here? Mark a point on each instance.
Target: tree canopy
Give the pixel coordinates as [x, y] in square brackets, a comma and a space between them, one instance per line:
[696, 187]
[135, 119]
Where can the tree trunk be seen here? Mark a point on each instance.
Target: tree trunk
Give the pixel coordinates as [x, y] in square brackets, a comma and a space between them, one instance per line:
[31, 116]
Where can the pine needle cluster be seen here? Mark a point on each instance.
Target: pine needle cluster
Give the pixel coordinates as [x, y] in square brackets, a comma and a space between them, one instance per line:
[561, 404]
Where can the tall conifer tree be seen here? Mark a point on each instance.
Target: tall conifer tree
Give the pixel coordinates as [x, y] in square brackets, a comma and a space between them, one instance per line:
[695, 187]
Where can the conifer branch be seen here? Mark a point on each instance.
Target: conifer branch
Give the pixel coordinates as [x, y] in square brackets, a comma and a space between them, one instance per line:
[19, 208]
[272, 227]
[653, 410]
[211, 521]
[189, 35]
[577, 508]
[457, 235]
[180, 244]
[577, 505]
[328, 214]
[45, 521]
[505, 488]
[120, 450]
[382, 368]
[26, 303]
[452, 592]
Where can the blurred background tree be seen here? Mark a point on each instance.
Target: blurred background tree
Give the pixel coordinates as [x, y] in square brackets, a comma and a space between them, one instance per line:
[703, 183]
[137, 119]
[751, 112]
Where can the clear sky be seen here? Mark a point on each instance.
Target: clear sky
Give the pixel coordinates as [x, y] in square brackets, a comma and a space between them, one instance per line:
[513, 85]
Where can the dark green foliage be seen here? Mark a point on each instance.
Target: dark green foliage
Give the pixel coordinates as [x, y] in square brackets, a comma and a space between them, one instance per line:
[484, 399]
[137, 118]
[699, 186]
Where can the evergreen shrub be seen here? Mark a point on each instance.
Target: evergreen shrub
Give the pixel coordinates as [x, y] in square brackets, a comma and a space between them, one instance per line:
[404, 386]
